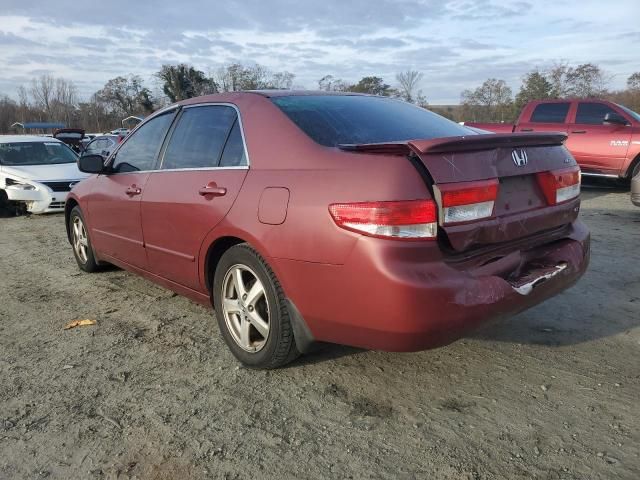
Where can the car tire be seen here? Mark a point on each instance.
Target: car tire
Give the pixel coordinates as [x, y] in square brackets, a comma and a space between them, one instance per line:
[5, 205]
[251, 310]
[82, 249]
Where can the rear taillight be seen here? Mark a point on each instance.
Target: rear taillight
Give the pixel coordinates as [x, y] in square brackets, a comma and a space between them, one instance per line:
[466, 201]
[560, 186]
[409, 219]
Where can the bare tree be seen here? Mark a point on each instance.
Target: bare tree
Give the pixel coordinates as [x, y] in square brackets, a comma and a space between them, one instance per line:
[23, 103]
[633, 82]
[408, 85]
[491, 101]
[582, 81]
[64, 100]
[281, 80]
[126, 96]
[42, 91]
[329, 83]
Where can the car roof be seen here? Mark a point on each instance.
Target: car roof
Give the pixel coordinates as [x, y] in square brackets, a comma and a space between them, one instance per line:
[26, 138]
[300, 93]
[231, 96]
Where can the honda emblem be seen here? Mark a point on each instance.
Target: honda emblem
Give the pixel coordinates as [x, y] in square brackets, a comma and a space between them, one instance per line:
[519, 157]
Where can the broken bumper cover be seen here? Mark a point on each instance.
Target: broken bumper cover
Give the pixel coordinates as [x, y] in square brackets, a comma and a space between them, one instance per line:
[38, 199]
[387, 299]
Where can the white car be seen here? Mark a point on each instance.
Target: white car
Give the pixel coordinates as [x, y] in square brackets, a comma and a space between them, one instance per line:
[37, 171]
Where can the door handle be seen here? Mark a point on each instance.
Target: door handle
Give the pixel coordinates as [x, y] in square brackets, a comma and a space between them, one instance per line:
[527, 130]
[212, 189]
[578, 131]
[133, 190]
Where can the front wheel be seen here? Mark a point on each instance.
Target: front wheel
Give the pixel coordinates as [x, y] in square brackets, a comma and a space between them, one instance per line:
[251, 310]
[82, 250]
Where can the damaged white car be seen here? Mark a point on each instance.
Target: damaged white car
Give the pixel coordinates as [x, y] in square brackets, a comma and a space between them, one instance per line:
[36, 172]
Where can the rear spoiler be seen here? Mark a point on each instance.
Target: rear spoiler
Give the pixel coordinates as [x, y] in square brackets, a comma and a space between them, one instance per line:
[459, 144]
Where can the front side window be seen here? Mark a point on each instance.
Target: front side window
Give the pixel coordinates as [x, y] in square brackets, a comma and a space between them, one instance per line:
[199, 137]
[139, 152]
[592, 113]
[35, 153]
[332, 120]
[550, 113]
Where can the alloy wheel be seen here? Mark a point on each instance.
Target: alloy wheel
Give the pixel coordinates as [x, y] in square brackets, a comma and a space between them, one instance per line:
[245, 308]
[80, 240]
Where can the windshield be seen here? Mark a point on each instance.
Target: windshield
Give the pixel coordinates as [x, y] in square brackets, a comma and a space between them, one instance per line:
[636, 116]
[35, 153]
[332, 120]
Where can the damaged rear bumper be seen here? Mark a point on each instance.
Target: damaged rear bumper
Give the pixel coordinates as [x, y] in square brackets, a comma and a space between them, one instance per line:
[398, 297]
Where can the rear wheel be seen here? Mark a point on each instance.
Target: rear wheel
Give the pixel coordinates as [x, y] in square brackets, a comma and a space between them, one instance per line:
[251, 310]
[82, 250]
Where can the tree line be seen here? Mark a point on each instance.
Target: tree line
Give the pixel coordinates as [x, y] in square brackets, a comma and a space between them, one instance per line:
[493, 101]
[50, 99]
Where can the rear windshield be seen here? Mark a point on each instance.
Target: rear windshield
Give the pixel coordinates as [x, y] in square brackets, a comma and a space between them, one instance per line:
[35, 153]
[332, 120]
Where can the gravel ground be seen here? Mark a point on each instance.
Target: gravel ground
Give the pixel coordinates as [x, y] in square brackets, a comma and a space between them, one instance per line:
[151, 391]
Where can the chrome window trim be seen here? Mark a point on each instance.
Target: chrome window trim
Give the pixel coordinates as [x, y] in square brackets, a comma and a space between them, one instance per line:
[241, 167]
[244, 141]
[184, 107]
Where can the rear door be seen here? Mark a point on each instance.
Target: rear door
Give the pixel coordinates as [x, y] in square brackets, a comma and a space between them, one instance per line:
[114, 204]
[547, 117]
[596, 145]
[202, 169]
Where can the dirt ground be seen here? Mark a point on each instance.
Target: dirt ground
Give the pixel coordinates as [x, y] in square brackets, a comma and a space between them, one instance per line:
[151, 392]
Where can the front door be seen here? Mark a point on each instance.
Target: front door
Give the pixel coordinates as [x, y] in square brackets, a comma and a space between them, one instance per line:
[201, 172]
[596, 145]
[114, 205]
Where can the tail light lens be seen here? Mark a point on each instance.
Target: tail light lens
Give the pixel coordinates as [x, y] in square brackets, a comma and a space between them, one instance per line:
[410, 219]
[560, 186]
[466, 201]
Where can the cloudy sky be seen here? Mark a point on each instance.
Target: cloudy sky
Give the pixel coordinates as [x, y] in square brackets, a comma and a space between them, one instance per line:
[456, 44]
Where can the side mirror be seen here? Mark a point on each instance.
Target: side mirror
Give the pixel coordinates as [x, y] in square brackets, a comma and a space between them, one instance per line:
[91, 164]
[615, 118]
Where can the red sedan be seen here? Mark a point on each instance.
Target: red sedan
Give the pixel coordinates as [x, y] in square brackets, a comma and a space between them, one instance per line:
[353, 219]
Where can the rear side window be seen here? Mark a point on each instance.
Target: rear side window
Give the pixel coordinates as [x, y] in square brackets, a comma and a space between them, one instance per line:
[332, 120]
[592, 113]
[233, 155]
[140, 151]
[199, 137]
[550, 113]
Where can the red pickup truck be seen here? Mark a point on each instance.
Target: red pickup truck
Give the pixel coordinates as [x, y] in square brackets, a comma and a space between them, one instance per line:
[604, 137]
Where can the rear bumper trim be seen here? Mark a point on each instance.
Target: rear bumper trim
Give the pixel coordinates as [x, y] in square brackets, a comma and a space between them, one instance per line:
[604, 175]
[527, 287]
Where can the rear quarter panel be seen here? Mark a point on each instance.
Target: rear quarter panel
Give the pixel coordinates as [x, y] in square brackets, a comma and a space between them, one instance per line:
[281, 155]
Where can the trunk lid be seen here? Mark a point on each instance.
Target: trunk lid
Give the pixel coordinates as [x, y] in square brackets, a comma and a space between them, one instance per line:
[521, 208]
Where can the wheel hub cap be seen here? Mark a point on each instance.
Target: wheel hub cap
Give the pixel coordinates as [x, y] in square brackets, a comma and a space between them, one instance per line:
[245, 308]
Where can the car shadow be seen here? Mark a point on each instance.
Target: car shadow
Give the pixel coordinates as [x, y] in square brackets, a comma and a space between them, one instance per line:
[593, 187]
